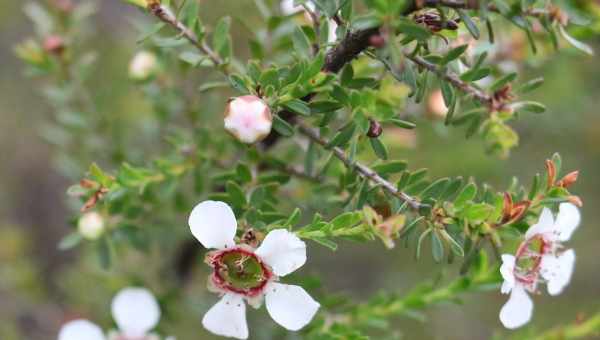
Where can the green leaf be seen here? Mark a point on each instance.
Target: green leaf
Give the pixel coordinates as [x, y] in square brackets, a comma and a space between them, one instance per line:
[243, 173]
[437, 247]
[389, 168]
[467, 194]
[531, 85]
[454, 53]
[420, 242]
[70, 241]
[498, 84]
[191, 57]
[407, 229]
[103, 252]
[455, 247]
[298, 106]
[402, 123]
[222, 39]
[236, 194]
[471, 26]
[435, 189]
[478, 212]
[343, 137]
[301, 43]
[379, 148]
[282, 127]
[414, 31]
[529, 106]
[346, 220]
[574, 42]
[325, 242]
[238, 83]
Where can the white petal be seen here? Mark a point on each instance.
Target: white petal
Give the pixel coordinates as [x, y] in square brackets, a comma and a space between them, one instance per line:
[545, 224]
[558, 271]
[507, 270]
[283, 251]
[135, 311]
[517, 310]
[213, 224]
[80, 330]
[227, 317]
[567, 220]
[332, 34]
[290, 306]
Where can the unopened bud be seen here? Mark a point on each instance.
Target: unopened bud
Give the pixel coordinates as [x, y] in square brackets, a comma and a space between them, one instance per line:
[91, 225]
[143, 66]
[568, 180]
[377, 41]
[551, 173]
[54, 44]
[375, 129]
[248, 119]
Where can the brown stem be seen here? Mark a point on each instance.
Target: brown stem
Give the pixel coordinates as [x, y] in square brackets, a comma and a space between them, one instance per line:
[362, 169]
[166, 16]
[453, 79]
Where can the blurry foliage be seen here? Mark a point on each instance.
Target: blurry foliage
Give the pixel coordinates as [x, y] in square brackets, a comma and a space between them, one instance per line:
[155, 149]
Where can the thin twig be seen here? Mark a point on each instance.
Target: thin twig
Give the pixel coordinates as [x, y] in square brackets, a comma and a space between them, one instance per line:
[453, 79]
[362, 169]
[165, 15]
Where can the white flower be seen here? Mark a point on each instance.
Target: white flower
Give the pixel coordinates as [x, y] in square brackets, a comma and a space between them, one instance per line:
[143, 65]
[287, 7]
[539, 259]
[91, 225]
[135, 311]
[243, 274]
[248, 119]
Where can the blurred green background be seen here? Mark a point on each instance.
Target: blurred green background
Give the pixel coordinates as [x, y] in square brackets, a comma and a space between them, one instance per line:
[40, 286]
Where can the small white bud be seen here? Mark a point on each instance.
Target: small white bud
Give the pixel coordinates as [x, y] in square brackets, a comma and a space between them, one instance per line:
[248, 119]
[143, 65]
[91, 225]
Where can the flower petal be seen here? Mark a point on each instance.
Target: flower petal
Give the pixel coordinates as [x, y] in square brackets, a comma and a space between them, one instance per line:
[135, 311]
[507, 270]
[227, 317]
[213, 224]
[517, 310]
[545, 224]
[567, 221]
[290, 306]
[283, 251]
[80, 330]
[558, 271]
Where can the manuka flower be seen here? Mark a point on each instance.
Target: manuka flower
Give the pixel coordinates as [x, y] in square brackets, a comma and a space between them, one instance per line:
[135, 312]
[242, 273]
[143, 66]
[91, 225]
[539, 259]
[248, 119]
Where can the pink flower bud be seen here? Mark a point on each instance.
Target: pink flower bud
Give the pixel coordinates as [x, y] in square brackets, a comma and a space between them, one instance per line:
[248, 119]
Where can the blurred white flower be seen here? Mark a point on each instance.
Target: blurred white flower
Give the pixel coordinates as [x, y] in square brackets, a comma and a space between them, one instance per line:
[288, 8]
[143, 65]
[135, 311]
[91, 225]
[539, 259]
[244, 273]
[248, 119]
